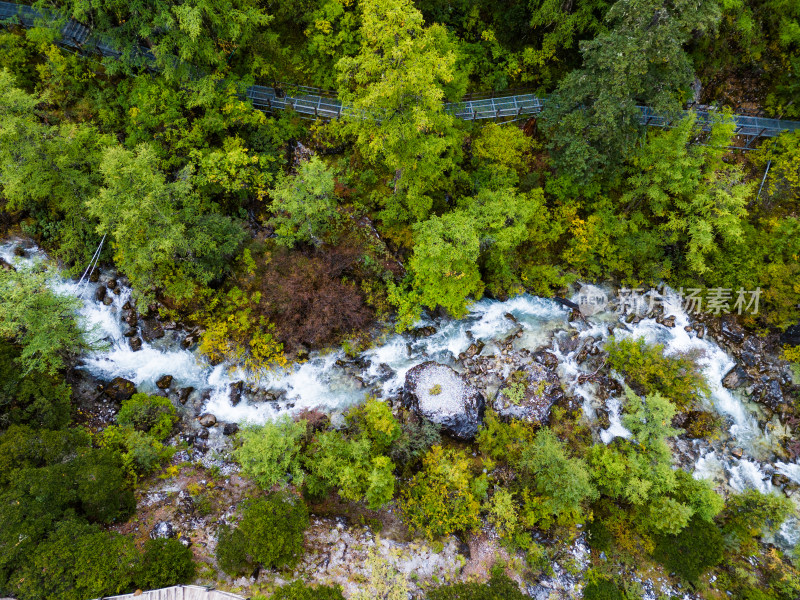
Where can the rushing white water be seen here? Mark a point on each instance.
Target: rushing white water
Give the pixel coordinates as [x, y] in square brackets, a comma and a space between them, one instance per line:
[325, 381]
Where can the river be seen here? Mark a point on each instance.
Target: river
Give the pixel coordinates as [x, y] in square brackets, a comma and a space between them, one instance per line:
[328, 381]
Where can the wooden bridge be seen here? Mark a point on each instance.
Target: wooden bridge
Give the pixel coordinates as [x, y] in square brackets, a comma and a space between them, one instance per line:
[313, 103]
[179, 592]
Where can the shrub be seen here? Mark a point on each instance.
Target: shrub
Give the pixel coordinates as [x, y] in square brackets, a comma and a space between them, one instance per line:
[562, 483]
[76, 562]
[439, 499]
[304, 204]
[690, 553]
[503, 441]
[140, 452]
[235, 334]
[747, 515]
[270, 534]
[36, 398]
[503, 514]
[163, 563]
[351, 466]
[297, 590]
[417, 435]
[232, 555]
[600, 537]
[311, 296]
[648, 370]
[270, 453]
[102, 491]
[602, 589]
[149, 414]
[499, 587]
[375, 420]
[41, 322]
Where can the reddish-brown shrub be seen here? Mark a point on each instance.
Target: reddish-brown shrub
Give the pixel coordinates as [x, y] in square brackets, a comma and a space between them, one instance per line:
[312, 297]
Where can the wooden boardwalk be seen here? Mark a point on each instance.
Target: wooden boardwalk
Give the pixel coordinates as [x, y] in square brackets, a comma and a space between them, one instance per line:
[179, 592]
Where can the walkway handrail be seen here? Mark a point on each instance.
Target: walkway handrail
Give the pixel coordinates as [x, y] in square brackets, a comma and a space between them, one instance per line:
[314, 103]
[179, 592]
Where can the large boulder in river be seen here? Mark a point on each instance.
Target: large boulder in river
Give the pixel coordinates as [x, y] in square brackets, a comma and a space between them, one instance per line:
[120, 389]
[529, 394]
[442, 396]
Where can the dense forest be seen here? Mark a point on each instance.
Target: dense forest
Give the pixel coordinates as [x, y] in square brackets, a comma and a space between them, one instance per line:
[263, 239]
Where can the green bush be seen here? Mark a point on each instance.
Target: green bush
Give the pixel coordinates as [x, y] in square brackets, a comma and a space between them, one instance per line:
[77, 561]
[562, 484]
[270, 533]
[374, 419]
[149, 414]
[503, 441]
[37, 398]
[600, 537]
[163, 563]
[232, 555]
[417, 435]
[499, 587]
[270, 453]
[648, 370]
[140, 452]
[297, 590]
[747, 515]
[690, 553]
[440, 499]
[602, 589]
[351, 466]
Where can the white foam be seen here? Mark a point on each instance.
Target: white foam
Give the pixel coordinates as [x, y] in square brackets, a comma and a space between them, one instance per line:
[616, 428]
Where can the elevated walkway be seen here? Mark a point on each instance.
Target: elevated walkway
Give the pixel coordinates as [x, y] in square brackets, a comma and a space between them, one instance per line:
[313, 103]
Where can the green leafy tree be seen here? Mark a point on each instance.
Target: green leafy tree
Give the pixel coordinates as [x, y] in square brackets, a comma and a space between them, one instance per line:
[77, 561]
[42, 323]
[396, 85]
[416, 438]
[639, 471]
[150, 414]
[165, 235]
[297, 590]
[351, 467]
[499, 587]
[694, 550]
[562, 484]
[693, 198]
[647, 369]
[783, 157]
[199, 33]
[270, 533]
[375, 420]
[140, 452]
[562, 26]
[270, 453]
[333, 32]
[164, 562]
[440, 498]
[750, 514]
[304, 204]
[48, 171]
[592, 118]
[36, 398]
